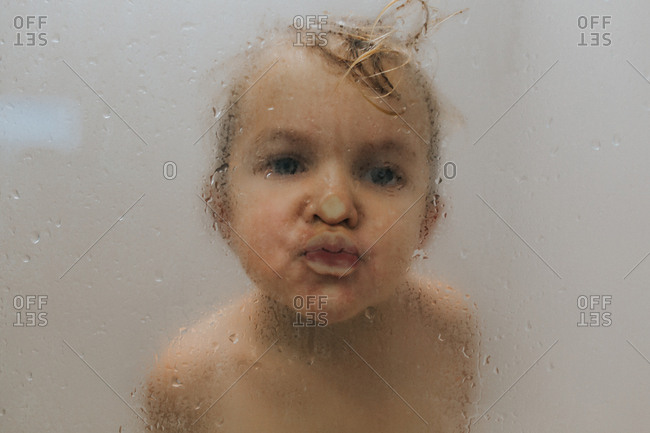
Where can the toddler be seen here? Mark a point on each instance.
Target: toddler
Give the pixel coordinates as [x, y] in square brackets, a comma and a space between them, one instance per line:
[325, 185]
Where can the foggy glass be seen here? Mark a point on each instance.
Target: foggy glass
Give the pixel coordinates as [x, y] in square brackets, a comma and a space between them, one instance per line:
[526, 310]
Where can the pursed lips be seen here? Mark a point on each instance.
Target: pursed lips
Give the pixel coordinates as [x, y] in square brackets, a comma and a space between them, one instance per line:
[331, 253]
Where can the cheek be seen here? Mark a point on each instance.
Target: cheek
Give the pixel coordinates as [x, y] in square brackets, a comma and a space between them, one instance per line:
[392, 253]
[261, 218]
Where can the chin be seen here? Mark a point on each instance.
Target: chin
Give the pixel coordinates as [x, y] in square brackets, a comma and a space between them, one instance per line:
[346, 299]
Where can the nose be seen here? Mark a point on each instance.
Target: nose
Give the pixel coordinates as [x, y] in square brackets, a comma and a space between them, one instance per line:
[335, 208]
[334, 202]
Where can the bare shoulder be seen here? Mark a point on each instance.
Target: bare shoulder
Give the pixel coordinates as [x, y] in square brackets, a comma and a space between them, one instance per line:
[193, 371]
[442, 307]
[447, 322]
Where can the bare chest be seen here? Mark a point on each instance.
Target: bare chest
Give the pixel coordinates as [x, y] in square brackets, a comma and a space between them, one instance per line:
[407, 390]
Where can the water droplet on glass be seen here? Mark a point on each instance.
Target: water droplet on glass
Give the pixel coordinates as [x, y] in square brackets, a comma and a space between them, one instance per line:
[233, 338]
[176, 383]
[370, 313]
[595, 144]
[270, 108]
[107, 115]
[15, 195]
[26, 259]
[616, 140]
[36, 238]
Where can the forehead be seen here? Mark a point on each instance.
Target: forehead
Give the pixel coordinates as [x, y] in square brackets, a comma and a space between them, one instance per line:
[305, 91]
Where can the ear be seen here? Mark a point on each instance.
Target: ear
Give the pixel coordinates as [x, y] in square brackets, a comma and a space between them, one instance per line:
[215, 197]
[222, 216]
[431, 213]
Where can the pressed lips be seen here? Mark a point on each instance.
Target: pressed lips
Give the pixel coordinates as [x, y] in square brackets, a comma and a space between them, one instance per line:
[331, 253]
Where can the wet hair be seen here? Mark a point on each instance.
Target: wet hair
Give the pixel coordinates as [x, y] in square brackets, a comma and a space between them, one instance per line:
[367, 53]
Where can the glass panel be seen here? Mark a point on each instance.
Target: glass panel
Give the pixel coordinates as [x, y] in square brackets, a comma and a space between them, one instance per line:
[241, 216]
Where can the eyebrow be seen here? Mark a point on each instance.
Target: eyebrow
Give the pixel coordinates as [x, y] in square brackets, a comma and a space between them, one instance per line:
[286, 135]
[292, 137]
[402, 149]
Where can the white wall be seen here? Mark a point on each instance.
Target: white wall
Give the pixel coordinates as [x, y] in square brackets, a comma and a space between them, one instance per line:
[565, 170]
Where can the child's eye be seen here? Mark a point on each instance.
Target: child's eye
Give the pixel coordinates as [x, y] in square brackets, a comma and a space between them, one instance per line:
[284, 166]
[383, 176]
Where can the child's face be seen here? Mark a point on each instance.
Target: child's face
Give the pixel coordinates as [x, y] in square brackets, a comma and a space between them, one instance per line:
[319, 176]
